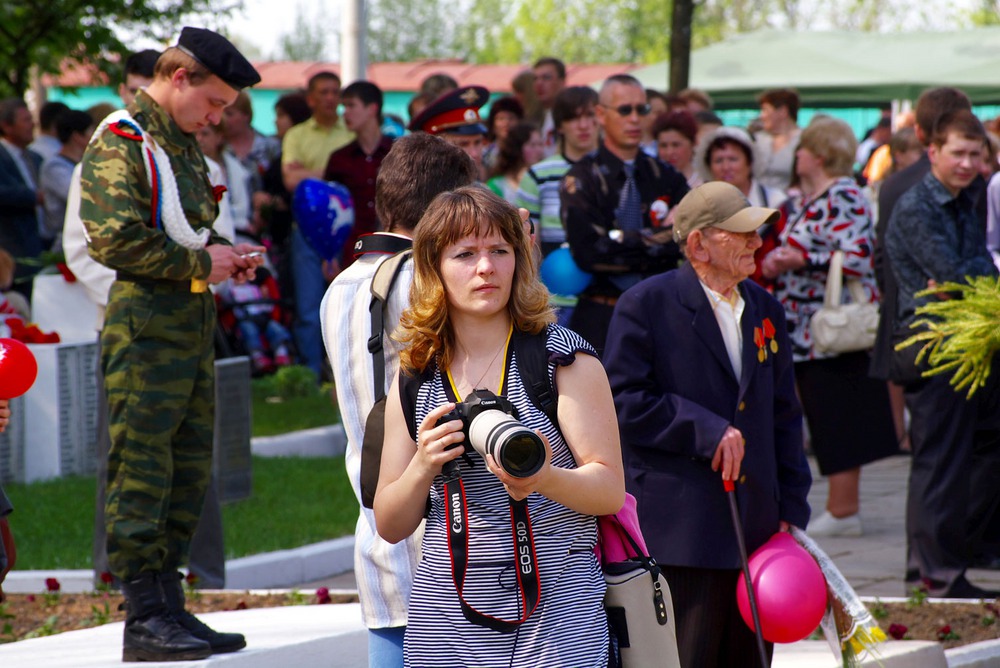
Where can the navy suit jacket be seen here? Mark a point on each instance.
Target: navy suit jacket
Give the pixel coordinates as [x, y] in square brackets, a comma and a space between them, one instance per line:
[18, 219]
[676, 393]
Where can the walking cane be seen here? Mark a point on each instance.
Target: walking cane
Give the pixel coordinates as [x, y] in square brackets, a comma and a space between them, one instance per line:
[734, 511]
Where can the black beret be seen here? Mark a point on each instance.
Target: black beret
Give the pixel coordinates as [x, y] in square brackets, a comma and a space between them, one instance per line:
[454, 112]
[219, 56]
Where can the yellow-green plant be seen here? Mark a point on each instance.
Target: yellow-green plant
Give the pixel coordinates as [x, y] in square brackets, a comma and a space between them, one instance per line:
[961, 333]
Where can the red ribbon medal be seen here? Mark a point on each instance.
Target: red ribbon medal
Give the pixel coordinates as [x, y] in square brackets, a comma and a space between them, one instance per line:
[769, 334]
[758, 340]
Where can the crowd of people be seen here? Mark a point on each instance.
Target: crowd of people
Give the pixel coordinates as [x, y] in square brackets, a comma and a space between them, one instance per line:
[688, 359]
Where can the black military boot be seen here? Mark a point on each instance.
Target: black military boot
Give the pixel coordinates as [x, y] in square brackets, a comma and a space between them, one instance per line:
[173, 592]
[151, 632]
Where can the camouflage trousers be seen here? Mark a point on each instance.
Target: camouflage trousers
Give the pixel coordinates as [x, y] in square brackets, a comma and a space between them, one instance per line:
[158, 358]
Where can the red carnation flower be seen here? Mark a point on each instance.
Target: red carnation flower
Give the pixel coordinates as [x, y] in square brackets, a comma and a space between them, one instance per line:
[897, 631]
[51, 585]
[323, 595]
[945, 633]
[66, 272]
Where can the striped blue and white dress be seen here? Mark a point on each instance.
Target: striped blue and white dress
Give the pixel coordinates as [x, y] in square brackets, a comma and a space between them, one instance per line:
[569, 627]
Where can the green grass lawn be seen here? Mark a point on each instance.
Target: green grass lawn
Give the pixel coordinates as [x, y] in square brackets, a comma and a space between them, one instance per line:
[296, 501]
[273, 416]
[286, 402]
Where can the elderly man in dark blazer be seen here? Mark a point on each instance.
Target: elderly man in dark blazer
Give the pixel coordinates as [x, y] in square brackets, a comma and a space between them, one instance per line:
[19, 198]
[700, 364]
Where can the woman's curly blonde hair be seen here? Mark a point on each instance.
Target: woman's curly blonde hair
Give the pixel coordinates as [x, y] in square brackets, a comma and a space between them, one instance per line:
[425, 327]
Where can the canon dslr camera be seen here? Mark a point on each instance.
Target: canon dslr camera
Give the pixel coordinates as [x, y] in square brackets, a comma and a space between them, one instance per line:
[490, 424]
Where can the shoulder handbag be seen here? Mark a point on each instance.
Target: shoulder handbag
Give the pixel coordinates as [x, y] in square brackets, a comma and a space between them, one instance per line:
[637, 601]
[843, 328]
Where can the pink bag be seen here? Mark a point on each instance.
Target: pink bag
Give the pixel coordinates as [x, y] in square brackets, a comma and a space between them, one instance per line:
[614, 531]
[637, 600]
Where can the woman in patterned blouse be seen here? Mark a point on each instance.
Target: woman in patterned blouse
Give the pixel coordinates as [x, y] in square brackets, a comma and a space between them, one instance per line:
[847, 412]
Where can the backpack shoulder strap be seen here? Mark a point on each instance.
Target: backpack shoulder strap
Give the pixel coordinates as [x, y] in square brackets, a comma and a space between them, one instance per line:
[385, 275]
[371, 447]
[381, 287]
[409, 387]
[533, 364]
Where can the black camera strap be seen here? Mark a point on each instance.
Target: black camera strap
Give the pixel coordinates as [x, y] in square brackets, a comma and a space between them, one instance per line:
[526, 565]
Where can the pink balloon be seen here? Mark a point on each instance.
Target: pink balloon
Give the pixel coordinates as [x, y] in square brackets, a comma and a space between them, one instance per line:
[790, 589]
[18, 368]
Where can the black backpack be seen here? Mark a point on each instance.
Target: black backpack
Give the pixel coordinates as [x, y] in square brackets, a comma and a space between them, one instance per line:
[371, 445]
[532, 360]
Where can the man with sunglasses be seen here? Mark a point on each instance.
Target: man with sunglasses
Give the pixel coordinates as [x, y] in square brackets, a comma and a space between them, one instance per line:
[616, 206]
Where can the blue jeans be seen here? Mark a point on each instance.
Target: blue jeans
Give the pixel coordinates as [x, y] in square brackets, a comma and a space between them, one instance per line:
[385, 647]
[274, 334]
[310, 286]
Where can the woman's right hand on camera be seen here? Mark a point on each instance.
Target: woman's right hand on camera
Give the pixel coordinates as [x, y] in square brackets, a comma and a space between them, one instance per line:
[438, 444]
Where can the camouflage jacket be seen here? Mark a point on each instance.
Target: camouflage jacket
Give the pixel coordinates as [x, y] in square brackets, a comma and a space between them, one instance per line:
[116, 199]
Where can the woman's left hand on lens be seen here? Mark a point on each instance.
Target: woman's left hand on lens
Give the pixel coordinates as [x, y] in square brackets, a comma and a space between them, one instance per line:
[521, 488]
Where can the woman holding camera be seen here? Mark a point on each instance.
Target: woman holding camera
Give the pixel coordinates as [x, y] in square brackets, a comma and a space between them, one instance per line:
[475, 287]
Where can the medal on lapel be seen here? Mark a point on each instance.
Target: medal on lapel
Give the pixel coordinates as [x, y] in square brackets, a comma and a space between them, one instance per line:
[758, 340]
[769, 334]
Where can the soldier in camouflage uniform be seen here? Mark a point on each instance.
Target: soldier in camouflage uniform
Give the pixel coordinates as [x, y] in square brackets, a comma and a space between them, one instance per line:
[157, 342]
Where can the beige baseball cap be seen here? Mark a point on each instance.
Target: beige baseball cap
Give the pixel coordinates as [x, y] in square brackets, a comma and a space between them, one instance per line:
[718, 204]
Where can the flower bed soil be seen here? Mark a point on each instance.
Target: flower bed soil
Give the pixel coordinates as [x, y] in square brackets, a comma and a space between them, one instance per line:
[32, 615]
[951, 624]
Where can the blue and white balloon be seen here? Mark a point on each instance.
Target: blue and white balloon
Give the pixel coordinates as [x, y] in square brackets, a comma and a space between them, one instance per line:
[324, 211]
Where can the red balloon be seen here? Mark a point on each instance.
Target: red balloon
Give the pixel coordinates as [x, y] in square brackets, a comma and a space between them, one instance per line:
[18, 368]
[790, 589]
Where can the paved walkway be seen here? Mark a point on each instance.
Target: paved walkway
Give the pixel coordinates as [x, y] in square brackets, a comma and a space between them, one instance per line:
[875, 563]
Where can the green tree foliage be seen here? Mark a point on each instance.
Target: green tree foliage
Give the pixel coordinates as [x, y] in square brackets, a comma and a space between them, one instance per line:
[310, 39]
[634, 31]
[404, 30]
[583, 31]
[41, 33]
[986, 13]
[715, 20]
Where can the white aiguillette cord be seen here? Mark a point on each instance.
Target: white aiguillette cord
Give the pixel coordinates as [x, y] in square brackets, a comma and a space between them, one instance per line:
[157, 164]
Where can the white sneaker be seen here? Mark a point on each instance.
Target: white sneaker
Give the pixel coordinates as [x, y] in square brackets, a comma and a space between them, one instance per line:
[828, 525]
